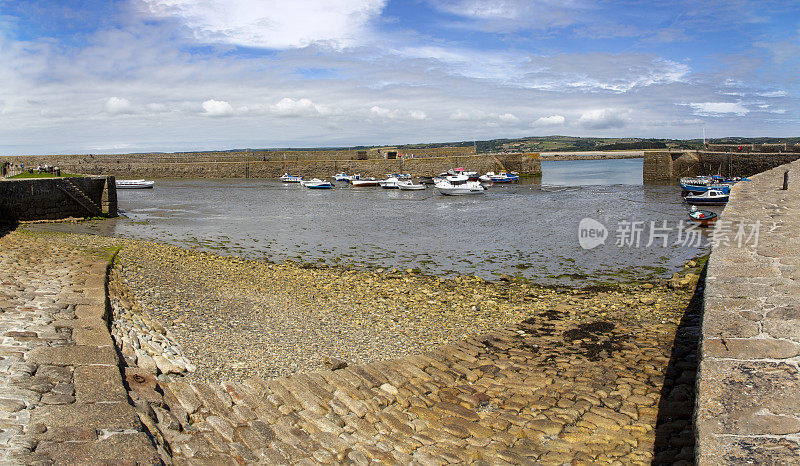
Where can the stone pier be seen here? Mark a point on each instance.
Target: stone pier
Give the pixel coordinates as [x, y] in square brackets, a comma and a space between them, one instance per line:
[748, 406]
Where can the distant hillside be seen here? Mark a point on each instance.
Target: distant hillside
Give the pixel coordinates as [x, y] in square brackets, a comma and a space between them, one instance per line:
[555, 144]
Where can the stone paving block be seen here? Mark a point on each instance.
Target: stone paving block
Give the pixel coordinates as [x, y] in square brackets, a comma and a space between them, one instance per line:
[749, 348]
[114, 416]
[733, 396]
[738, 450]
[94, 384]
[74, 355]
[120, 448]
[91, 311]
[94, 335]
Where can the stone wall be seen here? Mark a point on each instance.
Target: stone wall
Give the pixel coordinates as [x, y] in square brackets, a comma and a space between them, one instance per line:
[54, 198]
[748, 404]
[238, 156]
[135, 167]
[669, 166]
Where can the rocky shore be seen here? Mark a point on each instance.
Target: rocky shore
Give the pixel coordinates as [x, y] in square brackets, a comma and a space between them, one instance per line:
[235, 318]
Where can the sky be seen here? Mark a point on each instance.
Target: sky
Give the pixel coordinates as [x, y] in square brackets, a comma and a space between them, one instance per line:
[100, 76]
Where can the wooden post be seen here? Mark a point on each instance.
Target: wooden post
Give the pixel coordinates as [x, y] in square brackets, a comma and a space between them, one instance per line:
[786, 180]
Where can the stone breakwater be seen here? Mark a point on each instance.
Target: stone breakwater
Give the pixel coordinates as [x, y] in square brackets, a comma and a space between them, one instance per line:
[749, 384]
[585, 376]
[61, 394]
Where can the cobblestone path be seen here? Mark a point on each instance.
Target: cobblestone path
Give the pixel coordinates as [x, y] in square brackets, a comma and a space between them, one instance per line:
[547, 391]
[61, 393]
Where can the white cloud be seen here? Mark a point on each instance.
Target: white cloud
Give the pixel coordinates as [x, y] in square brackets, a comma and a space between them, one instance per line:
[552, 120]
[510, 15]
[217, 108]
[274, 24]
[381, 112]
[118, 106]
[417, 115]
[772, 94]
[463, 115]
[488, 118]
[606, 118]
[508, 118]
[719, 108]
[298, 108]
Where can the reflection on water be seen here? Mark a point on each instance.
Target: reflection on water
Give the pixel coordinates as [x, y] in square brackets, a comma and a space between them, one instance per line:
[530, 229]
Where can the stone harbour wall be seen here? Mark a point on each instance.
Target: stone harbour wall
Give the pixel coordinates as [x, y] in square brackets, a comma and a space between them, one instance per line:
[748, 405]
[48, 198]
[138, 167]
[669, 166]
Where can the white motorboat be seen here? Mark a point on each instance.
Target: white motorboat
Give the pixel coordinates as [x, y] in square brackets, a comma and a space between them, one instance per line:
[134, 184]
[287, 178]
[710, 197]
[458, 185]
[342, 177]
[389, 183]
[410, 186]
[316, 183]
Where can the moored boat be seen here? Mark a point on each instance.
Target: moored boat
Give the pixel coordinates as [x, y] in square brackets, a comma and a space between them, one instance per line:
[287, 178]
[409, 185]
[703, 217]
[341, 177]
[134, 184]
[389, 183]
[502, 177]
[456, 185]
[710, 197]
[316, 183]
[363, 182]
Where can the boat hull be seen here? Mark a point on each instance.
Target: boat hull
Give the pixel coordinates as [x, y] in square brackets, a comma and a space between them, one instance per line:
[459, 191]
[704, 218]
[411, 187]
[364, 183]
[134, 184]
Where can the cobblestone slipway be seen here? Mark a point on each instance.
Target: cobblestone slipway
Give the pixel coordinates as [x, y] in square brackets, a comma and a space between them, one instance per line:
[61, 394]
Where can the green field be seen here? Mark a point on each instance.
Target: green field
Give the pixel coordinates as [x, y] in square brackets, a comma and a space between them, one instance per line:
[40, 175]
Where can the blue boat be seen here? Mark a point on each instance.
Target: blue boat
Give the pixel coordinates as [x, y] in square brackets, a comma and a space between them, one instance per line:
[699, 189]
[503, 177]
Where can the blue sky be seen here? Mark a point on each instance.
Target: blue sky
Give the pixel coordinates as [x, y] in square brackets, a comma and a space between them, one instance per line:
[138, 75]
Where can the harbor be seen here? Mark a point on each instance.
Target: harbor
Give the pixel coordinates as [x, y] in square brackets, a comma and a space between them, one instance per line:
[379, 232]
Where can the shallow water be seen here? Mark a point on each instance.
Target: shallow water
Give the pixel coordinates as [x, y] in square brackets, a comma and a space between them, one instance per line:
[530, 229]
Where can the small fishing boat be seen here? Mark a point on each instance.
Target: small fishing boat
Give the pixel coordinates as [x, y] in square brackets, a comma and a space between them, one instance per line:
[316, 183]
[409, 185]
[134, 184]
[287, 178]
[389, 183]
[341, 177]
[703, 217]
[456, 185]
[363, 182]
[710, 197]
[502, 177]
